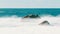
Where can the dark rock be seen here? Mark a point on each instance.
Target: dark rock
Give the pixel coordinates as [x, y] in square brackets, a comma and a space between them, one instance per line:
[31, 16]
[45, 23]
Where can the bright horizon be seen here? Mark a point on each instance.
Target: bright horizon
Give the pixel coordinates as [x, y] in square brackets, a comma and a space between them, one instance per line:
[29, 3]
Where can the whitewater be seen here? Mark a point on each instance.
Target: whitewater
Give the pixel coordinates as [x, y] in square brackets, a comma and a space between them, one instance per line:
[19, 25]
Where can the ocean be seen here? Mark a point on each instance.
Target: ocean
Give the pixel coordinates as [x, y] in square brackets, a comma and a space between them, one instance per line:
[21, 12]
[12, 23]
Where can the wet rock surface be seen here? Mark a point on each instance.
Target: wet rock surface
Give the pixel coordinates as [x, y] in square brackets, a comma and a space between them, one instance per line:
[45, 23]
[31, 16]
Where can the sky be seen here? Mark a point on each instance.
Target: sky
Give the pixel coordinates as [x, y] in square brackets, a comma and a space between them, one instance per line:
[29, 3]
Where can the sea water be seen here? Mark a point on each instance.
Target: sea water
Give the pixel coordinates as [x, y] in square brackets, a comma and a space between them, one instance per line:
[14, 16]
[25, 11]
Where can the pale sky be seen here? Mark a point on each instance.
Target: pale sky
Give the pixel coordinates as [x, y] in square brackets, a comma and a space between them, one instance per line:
[29, 3]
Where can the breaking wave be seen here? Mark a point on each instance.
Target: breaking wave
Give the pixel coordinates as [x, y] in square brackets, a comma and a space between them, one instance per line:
[19, 21]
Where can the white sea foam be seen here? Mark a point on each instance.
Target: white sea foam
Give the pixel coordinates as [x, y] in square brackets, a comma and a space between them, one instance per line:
[29, 26]
[18, 21]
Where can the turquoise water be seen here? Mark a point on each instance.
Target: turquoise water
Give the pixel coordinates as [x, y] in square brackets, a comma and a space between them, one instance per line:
[20, 12]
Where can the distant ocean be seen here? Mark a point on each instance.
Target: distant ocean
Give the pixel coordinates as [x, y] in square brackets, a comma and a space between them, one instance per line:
[21, 12]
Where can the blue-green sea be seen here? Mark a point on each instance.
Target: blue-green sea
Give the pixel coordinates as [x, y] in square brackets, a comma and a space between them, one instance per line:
[20, 12]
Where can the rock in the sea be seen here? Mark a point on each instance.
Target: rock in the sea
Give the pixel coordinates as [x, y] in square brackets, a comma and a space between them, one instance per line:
[31, 16]
[45, 23]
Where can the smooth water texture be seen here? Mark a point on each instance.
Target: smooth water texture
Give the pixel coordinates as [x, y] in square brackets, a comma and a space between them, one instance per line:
[21, 12]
